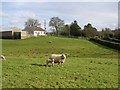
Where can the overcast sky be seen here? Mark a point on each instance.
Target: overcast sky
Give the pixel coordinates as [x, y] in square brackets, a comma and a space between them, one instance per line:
[99, 14]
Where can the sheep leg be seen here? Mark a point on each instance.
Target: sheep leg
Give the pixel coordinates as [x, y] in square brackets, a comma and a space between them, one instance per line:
[52, 62]
[48, 61]
[58, 63]
[61, 64]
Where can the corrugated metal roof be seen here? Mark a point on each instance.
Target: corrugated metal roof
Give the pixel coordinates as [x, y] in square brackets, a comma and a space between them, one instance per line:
[10, 29]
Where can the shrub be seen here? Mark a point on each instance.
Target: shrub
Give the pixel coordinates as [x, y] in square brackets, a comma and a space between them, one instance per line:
[106, 43]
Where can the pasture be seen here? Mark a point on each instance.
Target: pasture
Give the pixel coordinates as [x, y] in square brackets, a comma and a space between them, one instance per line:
[88, 66]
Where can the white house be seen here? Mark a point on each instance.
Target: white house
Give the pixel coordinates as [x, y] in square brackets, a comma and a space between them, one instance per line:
[39, 33]
[35, 31]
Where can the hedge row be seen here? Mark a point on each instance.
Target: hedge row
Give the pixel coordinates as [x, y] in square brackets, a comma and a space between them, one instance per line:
[113, 40]
[106, 43]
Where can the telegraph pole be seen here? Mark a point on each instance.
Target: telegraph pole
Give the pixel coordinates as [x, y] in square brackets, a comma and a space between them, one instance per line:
[45, 25]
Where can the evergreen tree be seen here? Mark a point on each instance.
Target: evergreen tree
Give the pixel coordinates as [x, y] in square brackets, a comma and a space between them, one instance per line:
[75, 29]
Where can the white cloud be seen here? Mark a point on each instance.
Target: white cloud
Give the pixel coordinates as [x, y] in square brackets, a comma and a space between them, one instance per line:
[25, 0]
[20, 17]
[15, 21]
[2, 14]
[59, 1]
[99, 14]
[27, 14]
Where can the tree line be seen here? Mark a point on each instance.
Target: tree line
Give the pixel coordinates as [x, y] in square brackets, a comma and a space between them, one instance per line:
[74, 30]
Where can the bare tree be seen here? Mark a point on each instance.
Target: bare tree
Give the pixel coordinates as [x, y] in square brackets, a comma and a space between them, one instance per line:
[57, 23]
[32, 22]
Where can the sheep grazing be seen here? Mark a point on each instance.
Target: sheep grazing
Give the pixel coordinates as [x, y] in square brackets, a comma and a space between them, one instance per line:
[56, 58]
[2, 57]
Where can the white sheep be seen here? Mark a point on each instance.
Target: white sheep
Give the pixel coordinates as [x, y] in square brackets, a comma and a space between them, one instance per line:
[2, 57]
[56, 58]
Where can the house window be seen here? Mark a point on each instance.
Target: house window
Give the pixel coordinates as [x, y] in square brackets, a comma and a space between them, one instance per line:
[38, 33]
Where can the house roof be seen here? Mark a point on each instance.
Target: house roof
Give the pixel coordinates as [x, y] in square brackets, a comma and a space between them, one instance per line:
[33, 28]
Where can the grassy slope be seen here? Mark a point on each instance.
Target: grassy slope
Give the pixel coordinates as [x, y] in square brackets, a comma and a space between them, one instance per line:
[88, 65]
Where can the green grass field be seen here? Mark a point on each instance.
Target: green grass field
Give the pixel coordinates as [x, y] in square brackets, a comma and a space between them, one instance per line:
[88, 66]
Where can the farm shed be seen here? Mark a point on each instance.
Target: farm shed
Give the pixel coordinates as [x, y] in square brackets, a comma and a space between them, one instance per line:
[6, 35]
[13, 33]
[35, 31]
